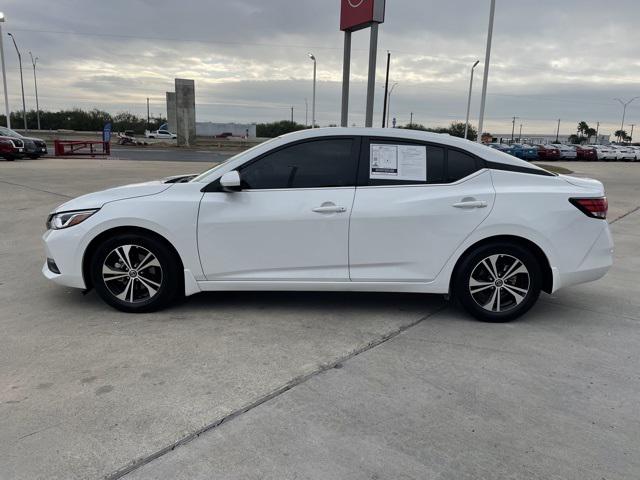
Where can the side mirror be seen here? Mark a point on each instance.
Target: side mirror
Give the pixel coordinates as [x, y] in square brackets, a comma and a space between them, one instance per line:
[230, 181]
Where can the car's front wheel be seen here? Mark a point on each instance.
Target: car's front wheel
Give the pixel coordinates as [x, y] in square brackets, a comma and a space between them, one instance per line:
[135, 273]
[498, 282]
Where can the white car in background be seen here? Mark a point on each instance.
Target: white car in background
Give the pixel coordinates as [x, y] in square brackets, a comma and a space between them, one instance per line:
[340, 209]
[161, 134]
[624, 152]
[567, 152]
[605, 152]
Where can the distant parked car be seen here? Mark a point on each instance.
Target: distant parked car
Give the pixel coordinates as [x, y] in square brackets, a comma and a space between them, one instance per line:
[11, 148]
[224, 135]
[500, 147]
[567, 152]
[161, 134]
[523, 151]
[624, 152]
[548, 152]
[586, 154]
[636, 151]
[605, 152]
[32, 147]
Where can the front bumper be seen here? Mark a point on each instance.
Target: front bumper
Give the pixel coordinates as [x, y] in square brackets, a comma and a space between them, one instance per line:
[61, 247]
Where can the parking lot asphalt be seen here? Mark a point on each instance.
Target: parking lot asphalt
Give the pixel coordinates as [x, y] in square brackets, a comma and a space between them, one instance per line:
[309, 385]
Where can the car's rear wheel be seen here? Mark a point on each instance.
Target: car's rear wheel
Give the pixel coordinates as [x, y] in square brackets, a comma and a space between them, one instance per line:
[9, 158]
[498, 282]
[135, 273]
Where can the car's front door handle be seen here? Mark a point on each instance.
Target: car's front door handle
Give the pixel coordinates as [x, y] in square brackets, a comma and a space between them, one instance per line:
[471, 204]
[329, 209]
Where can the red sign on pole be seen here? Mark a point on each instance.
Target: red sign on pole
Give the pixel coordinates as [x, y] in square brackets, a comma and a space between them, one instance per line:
[357, 14]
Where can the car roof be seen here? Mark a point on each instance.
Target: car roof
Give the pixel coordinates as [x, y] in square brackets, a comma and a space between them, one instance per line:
[475, 148]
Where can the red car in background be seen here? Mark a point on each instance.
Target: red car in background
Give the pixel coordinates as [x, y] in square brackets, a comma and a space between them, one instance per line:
[586, 154]
[548, 152]
[11, 148]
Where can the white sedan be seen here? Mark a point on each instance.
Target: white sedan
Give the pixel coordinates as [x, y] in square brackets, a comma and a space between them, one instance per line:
[378, 210]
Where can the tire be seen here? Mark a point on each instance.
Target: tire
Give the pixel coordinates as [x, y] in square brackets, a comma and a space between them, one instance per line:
[477, 289]
[122, 286]
[9, 158]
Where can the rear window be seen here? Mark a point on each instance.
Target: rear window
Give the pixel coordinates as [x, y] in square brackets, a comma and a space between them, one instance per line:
[460, 165]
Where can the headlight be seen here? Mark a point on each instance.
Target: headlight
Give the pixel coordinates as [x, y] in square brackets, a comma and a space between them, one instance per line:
[58, 221]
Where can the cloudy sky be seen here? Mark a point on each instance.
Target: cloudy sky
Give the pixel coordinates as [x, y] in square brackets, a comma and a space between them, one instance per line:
[551, 59]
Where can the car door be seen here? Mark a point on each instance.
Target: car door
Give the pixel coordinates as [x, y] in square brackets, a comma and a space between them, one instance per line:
[289, 222]
[407, 222]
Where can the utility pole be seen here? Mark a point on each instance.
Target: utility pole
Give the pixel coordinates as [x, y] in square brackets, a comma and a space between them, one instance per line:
[513, 128]
[148, 116]
[411, 121]
[386, 90]
[631, 137]
[597, 131]
[4, 74]
[520, 135]
[624, 111]
[558, 132]
[313, 105]
[487, 61]
[34, 61]
[389, 101]
[466, 123]
[24, 107]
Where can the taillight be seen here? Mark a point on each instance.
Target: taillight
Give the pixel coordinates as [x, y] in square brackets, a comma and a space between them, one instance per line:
[592, 207]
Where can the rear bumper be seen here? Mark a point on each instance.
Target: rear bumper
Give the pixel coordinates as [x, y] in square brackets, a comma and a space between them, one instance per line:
[595, 264]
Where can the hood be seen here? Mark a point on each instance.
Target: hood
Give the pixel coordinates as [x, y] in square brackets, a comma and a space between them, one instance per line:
[99, 199]
[584, 182]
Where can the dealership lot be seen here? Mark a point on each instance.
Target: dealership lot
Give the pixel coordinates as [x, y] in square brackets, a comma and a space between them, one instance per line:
[420, 390]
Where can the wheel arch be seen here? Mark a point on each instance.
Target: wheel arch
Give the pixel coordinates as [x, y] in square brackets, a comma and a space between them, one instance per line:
[543, 260]
[102, 236]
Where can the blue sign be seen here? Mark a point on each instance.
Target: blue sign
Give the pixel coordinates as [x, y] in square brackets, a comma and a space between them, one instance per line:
[106, 133]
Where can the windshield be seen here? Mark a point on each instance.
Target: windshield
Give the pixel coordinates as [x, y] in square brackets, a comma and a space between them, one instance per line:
[5, 132]
[205, 176]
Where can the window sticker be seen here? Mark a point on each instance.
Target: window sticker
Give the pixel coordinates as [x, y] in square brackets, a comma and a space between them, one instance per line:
[398, 162]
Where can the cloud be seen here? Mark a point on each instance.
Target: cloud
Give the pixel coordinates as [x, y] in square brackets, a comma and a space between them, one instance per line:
[550, 59]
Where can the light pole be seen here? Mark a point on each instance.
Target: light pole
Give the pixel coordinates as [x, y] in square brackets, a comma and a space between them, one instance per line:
[631, 136]
[389, 101]
[24, 107]
[597, 132]
[313, 102]
[513, 128]
[466, 124]
[520, 135]
[558, 132]
[487, 61]
[306, 112]
[624, 111]
[34, 61]
[4, 74]
[386, 90]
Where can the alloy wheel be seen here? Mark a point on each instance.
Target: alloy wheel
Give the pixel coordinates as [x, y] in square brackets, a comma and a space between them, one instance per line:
[132, 273]
[499, 283]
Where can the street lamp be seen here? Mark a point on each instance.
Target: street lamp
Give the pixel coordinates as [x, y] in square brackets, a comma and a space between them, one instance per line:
[34, 61]
[24, 107]
[487, 60]
[4, 73]
[313, 102]
[624, 111]
[389, 102]
[466, 124]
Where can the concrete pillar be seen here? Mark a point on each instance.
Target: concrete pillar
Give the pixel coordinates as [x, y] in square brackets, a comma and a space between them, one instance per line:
[185, 112]
[171, 112]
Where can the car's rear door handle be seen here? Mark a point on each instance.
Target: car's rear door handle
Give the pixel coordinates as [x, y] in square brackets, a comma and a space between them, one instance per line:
[329, 209]
[471, 204]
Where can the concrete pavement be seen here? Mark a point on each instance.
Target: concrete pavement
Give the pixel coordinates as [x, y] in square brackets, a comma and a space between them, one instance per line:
[422, 391]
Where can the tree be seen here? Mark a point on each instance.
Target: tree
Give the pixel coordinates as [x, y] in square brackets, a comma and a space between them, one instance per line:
[275, 129]
[591, 132]
[456, 129]
[583, 128]
[621, 135]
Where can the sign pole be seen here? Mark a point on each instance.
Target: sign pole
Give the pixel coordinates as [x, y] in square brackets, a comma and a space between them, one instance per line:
[371, 85]
[346, 74]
